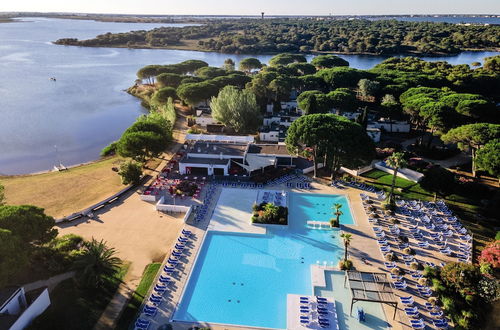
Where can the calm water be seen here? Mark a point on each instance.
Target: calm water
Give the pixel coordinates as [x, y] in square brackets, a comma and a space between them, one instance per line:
[86, 108]
[263, 268]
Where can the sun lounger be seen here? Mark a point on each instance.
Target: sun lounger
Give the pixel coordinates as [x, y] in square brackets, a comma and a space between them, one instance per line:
[407, 300]
[417, 324]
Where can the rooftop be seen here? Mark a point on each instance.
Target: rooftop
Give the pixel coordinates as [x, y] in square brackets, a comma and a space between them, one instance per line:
[215, 148]
[268, 149]
[196, 160]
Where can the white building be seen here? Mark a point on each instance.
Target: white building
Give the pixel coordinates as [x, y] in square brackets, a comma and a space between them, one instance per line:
[17, 310]
[394, 126]
[205, 155]
[204, 117]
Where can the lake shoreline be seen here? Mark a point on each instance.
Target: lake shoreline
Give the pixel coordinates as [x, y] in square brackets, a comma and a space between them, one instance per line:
[190, 48]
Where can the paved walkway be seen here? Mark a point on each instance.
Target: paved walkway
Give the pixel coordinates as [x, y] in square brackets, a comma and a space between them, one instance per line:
[50, 283]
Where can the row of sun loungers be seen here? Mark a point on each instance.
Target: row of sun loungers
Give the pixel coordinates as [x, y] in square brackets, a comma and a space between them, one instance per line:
[433, 227]
[315, 312]
[162, 285]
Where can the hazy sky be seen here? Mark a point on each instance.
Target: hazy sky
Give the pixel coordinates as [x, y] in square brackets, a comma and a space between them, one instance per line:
[254, 7]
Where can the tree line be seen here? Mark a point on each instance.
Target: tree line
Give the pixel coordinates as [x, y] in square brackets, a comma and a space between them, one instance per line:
[248, 36]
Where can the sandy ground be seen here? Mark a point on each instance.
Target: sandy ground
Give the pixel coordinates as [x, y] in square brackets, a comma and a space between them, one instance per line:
[134, 228]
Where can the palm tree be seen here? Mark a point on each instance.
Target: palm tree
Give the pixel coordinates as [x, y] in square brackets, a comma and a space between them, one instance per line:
[337, 212]
[347, 241]
[95, 263]
[395, 161]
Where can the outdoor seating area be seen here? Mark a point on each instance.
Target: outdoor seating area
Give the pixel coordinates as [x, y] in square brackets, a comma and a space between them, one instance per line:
[311, 312]
[341, 184]
[202, 210]
[418, 230]
[277, 198]
[159, 292]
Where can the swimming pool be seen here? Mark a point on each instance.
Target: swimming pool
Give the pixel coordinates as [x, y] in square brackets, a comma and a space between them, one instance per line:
[244, 279]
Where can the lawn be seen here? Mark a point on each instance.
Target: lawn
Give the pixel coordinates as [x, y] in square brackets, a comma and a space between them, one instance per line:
[76, 308]
[66, 192]
[466, 208]
[135, 302]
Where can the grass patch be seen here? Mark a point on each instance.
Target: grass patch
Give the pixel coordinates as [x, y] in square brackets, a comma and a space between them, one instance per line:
[135, 302]
[61, 193]
[465, 208]
[77, 308]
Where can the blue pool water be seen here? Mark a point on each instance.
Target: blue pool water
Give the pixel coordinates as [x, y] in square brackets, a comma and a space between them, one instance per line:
[244, 278]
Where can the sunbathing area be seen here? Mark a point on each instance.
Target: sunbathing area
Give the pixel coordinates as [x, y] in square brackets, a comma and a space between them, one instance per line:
[219, 239]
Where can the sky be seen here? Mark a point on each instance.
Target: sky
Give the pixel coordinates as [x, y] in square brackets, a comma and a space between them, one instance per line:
[254, 7]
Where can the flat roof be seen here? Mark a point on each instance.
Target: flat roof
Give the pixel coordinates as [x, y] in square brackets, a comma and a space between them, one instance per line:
[205, 161]
[215, 148]
[268, 149]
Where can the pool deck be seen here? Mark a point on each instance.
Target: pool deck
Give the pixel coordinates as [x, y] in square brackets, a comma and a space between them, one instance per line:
[293, 305]
[364, 251]
[233, 212]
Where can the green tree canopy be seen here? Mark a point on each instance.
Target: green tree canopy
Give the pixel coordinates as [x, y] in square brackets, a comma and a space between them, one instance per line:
[28, 222]
[285, 59]
[13, 256]
[228, 65]
[169, 80]
[249, 64]
[343, 99]
[302, 68]
[130, 172]
[438, 180]
[163, 94]
[314, 102]
[194, 93]
[368, 87]
[147, 137]
[328, 61]
[210, 72]
[492, 63]
[237, 109]
[339, 141]
[95, 263]
[488, 158]
[342, 76]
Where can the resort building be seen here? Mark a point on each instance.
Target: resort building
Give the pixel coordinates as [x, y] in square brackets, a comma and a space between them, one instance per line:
[221, 155]
[18, 308]
[204, 116]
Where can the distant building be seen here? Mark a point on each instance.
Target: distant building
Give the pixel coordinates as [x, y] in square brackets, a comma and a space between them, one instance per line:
[18, 309]
[204, 117]
[394, 126]
[275, 125]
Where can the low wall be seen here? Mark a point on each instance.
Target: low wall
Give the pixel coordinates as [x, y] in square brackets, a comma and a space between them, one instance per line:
[404, 173]
[357, 172]
[148, 198]
[88, 210]
[36, 308]
[311, 169]
[173, 208]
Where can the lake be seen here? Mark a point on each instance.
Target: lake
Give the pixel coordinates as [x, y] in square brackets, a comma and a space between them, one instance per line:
[86, 108]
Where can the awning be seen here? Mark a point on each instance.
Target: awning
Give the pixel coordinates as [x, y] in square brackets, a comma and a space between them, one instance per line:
[257, 162]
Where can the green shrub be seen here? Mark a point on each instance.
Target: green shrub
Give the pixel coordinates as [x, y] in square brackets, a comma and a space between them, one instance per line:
[109, 150]
[437, 286]
[409, 251]
[391, 257]
[485, 268]
[448, 304]
[268, 213]
[415, 265]
[334, 222]
[430, 272]
[345, 264]
[131, 172]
